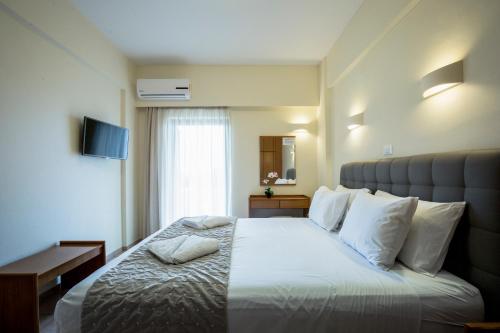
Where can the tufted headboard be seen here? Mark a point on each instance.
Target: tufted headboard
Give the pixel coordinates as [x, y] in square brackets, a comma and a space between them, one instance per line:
[471, 176]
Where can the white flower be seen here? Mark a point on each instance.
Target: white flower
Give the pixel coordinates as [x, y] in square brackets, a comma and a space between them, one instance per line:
[265, 181]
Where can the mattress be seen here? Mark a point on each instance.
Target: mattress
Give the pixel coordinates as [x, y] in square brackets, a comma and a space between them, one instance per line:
[289, 275]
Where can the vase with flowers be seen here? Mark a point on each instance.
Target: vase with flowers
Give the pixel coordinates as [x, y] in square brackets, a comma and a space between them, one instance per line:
[270, 176]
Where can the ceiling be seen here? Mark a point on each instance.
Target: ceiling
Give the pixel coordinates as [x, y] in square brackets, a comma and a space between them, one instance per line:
[221, 31]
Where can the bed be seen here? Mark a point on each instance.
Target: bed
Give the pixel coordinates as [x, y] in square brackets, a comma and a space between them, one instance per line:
[289, 275]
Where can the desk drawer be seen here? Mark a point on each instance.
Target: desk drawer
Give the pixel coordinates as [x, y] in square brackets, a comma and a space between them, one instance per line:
[264, 204]
[301, 203]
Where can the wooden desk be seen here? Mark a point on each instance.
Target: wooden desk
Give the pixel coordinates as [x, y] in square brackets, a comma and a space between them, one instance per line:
[21, 280]
[278, 205]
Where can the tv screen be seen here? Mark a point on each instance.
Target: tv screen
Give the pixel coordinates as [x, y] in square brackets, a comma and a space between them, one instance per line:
[101, 139]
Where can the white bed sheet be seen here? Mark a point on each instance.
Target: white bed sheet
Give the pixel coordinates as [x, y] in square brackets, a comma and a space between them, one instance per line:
[288, 275]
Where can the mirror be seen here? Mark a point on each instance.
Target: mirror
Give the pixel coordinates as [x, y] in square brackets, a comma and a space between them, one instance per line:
[277, 160]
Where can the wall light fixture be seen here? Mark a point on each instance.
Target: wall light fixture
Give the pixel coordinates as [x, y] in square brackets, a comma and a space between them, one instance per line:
[355, 121]
[443, 78]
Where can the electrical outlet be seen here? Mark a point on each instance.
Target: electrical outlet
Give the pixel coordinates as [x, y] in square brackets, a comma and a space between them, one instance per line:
[387, 150]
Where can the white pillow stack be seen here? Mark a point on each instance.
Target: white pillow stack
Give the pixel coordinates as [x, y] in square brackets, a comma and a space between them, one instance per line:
[377, 227]
[352, 192]
[328, 208]
[430, 234]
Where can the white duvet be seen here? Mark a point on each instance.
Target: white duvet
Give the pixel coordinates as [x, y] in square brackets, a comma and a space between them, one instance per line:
[288, 275]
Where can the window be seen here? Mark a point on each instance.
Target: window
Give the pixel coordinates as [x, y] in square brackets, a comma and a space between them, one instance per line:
[197, 160]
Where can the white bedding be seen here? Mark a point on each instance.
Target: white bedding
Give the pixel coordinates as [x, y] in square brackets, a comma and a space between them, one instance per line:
[289, 275]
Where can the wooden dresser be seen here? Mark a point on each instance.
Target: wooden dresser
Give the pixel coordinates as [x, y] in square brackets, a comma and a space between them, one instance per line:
[278, 205]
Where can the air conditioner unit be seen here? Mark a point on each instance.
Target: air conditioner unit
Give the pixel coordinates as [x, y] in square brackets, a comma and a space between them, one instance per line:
[164, 89]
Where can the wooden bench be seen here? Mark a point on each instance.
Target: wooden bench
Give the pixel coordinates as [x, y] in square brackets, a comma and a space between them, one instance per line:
[20, 281]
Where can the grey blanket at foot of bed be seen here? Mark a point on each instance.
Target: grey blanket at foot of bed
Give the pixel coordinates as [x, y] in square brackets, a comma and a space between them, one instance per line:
[142, 294]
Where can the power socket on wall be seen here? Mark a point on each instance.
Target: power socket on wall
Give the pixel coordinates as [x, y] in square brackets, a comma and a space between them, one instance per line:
[387, 150]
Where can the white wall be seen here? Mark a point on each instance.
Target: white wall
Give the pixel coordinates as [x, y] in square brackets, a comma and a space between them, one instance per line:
[54, 69]
[240, 85]
[368, 26]
[263, 100]
[250, 123]
[382, 78]
[324, 137]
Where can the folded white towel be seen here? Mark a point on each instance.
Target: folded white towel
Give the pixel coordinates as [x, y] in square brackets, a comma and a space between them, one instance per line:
[194, 219]
[183, 248]
[207, 222]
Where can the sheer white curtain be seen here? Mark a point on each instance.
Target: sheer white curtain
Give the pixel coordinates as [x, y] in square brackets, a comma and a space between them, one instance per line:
[153, 152]
[192, 162]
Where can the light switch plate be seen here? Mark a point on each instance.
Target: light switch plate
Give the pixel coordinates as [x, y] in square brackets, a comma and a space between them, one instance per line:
[387, 150]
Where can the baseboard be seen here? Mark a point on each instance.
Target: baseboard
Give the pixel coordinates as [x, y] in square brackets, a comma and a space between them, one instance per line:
[119, 251]
[125, 248]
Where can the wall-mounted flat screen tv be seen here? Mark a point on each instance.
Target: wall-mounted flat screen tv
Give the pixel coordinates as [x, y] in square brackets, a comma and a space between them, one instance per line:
[105, 140]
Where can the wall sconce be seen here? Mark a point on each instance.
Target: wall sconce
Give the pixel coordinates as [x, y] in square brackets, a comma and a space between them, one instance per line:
[442, 79]
[300, 131]
[303, 128]
[355, 121]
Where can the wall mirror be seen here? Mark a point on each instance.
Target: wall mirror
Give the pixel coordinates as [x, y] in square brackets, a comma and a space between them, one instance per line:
[277, 160]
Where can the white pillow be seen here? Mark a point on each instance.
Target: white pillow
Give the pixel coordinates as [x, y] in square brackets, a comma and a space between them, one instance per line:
[431, 231]
[377, 227]
[327, 208]
[352, 192]
[323, 188]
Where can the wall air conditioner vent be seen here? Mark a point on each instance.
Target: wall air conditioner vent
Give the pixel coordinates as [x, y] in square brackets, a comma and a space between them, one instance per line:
[164, 89]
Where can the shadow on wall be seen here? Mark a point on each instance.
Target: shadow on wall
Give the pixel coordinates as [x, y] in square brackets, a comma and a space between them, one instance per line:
[75, 134]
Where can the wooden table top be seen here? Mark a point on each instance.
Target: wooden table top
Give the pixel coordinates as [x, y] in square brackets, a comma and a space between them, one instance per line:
[45, 261]
[280, 197]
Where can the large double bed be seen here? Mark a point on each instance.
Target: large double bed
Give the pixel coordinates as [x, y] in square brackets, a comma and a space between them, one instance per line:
[289, 275]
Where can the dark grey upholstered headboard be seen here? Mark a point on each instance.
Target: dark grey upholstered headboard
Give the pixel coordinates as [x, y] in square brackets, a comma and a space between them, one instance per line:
[471, 176]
